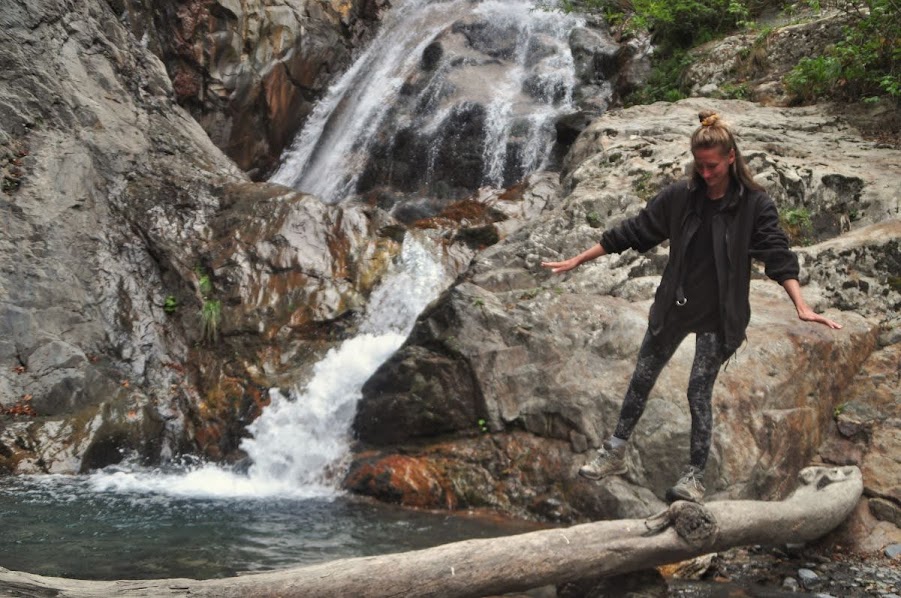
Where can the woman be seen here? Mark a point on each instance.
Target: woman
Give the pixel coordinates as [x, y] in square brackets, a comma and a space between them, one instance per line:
[716, 221]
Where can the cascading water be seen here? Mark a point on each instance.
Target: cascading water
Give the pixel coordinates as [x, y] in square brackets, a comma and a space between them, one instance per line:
[301, 436]
[133, 522]
[298, 437]
[396, 116]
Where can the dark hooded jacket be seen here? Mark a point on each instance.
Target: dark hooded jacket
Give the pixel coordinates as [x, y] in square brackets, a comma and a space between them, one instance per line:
[745, 227]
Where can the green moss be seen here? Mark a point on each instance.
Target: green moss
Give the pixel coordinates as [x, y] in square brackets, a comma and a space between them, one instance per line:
[643, 185]
[170, 305]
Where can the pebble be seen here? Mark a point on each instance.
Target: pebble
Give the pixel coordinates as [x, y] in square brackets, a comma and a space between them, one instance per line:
[842, 577]
[893, 551]
[808, 578]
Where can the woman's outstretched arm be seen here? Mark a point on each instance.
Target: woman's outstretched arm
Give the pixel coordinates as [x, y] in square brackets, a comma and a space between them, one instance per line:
[793, 288]
[586, 256]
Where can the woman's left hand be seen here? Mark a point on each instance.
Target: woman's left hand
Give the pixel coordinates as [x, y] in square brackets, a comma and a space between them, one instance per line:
[808, 315]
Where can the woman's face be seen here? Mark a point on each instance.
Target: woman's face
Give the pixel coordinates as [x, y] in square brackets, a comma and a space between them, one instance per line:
[713, 166]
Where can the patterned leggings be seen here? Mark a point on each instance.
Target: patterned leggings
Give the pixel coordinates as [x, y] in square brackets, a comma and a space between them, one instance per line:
[653, 355]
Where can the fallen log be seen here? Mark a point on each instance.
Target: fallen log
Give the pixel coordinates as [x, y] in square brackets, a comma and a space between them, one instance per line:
[472, 568]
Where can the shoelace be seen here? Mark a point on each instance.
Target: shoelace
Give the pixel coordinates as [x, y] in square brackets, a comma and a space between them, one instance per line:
[691, 476]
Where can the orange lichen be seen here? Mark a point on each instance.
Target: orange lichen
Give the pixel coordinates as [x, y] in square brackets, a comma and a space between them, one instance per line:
[514, 193]
[410, 481]
[342, 7]
[474, 212]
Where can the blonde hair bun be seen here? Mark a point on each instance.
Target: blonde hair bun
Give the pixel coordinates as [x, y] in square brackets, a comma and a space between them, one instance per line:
[708, 118]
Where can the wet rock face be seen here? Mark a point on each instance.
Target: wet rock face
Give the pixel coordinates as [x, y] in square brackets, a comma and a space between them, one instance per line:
[289, 274]
[453, 127]
[250, 72]
[519, 351]
[509, 472]
[457, 168]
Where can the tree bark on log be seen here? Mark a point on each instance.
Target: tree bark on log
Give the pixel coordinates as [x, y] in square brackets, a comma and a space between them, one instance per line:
[473, 568]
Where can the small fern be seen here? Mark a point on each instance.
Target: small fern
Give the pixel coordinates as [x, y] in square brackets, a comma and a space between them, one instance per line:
[210, 318]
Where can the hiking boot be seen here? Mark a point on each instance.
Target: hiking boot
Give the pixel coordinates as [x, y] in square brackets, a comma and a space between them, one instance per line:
[609, 461]
[689, 487]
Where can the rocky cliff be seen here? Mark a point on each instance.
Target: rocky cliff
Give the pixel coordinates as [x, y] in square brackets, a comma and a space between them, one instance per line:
[250, 72]
[150, 293]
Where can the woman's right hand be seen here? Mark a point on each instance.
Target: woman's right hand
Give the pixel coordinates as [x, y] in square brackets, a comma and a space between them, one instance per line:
[586, 256]
[565, 265]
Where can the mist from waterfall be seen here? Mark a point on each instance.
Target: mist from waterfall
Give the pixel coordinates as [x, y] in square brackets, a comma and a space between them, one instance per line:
[524, 87]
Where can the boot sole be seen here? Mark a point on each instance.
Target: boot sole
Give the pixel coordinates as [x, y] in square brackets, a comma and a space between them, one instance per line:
[595, 477]
[672, 496]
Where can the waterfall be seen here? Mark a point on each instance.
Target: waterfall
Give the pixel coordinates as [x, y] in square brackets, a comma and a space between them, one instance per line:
[388, 117]
[504, 63]
[302, 436]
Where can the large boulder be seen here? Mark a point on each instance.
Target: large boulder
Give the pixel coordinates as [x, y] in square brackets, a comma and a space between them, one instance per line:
[513, 374]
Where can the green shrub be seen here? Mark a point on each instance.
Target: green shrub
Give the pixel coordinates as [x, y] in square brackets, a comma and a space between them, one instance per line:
[674, 23]
[866, 63]
[210, 309]
[205, 284]
[676, 26]
[797, 225]
[734, 91]
[813, 78]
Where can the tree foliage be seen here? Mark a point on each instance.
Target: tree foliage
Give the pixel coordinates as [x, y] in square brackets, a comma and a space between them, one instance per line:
[675, 24]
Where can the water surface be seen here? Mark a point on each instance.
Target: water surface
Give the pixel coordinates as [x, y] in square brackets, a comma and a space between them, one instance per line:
[67, 526]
